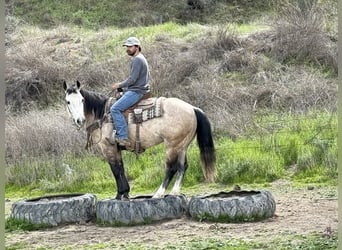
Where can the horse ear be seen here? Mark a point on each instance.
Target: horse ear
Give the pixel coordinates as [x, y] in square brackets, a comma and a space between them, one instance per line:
[78, 84]
[65, 85]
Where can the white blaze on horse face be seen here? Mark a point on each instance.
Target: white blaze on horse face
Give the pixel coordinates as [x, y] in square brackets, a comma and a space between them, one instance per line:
[76, 109]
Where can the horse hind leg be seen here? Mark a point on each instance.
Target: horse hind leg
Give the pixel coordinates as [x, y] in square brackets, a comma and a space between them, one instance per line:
[177, 164]
[180, 176]
[171, 169]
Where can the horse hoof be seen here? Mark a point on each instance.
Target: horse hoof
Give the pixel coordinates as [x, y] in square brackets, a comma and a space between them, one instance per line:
[122, 197]
[157, 196]
[125, 198]
[175, 193]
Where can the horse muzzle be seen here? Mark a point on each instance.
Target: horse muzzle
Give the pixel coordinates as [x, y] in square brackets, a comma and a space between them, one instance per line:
[79, 123]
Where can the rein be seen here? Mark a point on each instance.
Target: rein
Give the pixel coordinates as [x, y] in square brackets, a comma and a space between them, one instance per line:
[90, 129]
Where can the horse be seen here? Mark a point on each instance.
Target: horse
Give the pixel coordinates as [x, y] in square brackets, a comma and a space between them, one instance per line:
[176, 126]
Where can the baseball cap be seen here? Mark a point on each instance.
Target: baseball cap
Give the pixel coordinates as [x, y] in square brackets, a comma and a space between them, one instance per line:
[132, 41]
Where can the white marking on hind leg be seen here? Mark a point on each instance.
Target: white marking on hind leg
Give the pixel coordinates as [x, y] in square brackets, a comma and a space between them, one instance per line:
[177, 186]
[180, 174]
[160, 192]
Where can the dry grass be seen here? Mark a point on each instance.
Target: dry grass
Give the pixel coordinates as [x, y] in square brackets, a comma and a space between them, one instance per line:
[302, 35]
[38, 134]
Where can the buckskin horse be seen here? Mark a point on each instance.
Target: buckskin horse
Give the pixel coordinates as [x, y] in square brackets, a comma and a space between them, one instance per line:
[153, 121]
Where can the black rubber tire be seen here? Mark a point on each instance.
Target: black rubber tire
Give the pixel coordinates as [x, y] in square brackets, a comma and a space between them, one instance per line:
[234, 206]
[140, 210]
[56, 209]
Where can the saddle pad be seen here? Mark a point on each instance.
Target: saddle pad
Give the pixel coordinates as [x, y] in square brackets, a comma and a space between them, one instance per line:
[145, 110]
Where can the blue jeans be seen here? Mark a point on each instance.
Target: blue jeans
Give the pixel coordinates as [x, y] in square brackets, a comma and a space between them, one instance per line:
[127, 100]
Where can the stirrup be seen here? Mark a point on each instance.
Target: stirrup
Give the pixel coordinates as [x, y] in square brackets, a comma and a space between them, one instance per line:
[112, 137]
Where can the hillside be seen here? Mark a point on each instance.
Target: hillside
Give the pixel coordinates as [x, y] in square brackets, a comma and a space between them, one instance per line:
[130, 13]
[283, 64]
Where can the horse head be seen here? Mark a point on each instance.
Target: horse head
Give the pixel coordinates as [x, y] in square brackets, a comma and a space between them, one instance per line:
[75, 103]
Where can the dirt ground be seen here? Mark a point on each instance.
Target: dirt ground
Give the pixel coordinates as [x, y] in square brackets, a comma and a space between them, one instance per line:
[300, 211]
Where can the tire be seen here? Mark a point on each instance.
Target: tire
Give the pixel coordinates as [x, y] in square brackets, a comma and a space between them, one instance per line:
[234, 206]
[140, 210]
[56, 209]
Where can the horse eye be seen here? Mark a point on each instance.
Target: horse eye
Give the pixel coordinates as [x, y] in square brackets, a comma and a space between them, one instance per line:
[68, 102]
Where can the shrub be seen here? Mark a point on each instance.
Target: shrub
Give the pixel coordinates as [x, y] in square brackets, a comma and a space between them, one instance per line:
[301, 35]
[41, 133]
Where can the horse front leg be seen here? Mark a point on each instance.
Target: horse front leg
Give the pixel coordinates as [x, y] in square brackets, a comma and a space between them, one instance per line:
[121, 180]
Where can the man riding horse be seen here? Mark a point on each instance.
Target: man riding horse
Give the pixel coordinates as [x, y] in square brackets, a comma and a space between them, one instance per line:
[136, 85]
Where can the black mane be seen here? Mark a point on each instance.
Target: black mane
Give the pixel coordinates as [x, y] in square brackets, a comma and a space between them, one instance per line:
[94, 103]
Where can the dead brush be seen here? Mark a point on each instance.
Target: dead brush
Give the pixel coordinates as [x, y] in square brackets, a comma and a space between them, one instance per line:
[101, 75]
[38, 134]
[301, 36]
[219, 41]
[36, 66]
[230, 77]
[174, 69]
[240, 60]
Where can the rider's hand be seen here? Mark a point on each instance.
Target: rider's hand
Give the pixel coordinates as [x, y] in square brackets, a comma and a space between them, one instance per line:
[115, 85]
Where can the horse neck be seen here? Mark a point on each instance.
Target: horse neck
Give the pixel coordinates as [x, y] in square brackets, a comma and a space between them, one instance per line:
[94, 106]
[90, 119]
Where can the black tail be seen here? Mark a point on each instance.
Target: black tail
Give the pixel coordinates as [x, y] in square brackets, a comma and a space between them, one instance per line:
[206, 145]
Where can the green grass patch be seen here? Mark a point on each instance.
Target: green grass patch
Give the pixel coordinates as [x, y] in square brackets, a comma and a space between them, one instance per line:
[56, 174]
[244, 161]
[102, 223]
[284, 242]
[298, 148]
[13, 224]
[20, 245]
[228, 219]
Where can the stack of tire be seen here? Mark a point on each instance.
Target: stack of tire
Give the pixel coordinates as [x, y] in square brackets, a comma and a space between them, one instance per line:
[56, 209]
[140, 210]
[233, 206]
